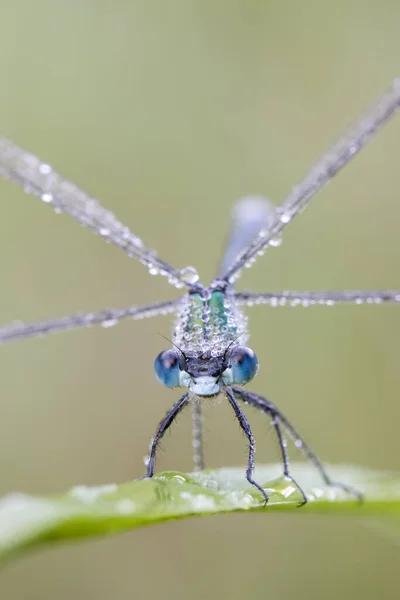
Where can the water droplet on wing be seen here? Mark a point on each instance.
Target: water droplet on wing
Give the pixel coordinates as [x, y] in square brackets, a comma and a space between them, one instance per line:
[109, 323]
[45, 169]
[285, 218]
[189, 275]
[276, 241]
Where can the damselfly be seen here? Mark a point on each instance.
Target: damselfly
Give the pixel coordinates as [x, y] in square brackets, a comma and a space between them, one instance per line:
[209, 355]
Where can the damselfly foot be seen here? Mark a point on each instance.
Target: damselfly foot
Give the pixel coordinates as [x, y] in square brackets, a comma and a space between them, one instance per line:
[300, 489]
[260, 489]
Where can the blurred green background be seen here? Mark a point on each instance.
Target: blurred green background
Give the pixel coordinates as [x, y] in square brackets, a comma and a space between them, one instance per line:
[168, 112]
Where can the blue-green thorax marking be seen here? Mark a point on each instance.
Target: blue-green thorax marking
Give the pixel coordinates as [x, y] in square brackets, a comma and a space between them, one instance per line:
[209, 321]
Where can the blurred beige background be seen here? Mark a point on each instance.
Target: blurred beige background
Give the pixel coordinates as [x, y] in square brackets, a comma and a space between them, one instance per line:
[167, 112]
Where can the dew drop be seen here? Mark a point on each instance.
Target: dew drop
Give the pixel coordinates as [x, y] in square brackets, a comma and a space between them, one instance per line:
[138, 242]
[236, 275]
[249, 263]
[275, 242]
[285, 218]
[45, 169]
[47, 198]
[353, 149]
[173, 281]
[109, 323]
[104, 231]
[189, 275]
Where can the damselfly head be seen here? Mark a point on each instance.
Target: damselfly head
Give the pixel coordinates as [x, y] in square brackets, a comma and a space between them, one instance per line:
[205, 374]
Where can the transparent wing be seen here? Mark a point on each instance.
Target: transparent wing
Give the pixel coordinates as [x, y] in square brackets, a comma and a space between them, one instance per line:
[326, 298]
[351, 142]
[39, 179]
[107, 318]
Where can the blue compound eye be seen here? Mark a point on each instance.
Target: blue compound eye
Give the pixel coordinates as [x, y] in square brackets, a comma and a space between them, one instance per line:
[167, 369]
[243, 363]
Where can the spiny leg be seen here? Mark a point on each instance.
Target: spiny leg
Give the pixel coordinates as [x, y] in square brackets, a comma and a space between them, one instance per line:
[197, 435]
[269, 408]
[162, 428]
[244, 424]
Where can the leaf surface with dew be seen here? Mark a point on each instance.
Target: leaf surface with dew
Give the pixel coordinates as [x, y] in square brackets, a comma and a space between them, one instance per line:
[28, 522]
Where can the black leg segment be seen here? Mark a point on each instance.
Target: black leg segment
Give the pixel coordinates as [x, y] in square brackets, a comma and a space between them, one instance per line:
[285, 459]
[244, 424]
[162, 428]
[277, 417]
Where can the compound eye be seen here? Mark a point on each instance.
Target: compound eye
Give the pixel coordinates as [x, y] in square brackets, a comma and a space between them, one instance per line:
[244, 364]
[166, 367]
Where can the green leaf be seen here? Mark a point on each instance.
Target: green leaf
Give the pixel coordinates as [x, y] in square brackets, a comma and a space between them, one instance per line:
[30, 521]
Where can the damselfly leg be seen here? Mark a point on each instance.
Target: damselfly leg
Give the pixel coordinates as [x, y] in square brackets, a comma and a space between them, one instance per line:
[277, 417]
